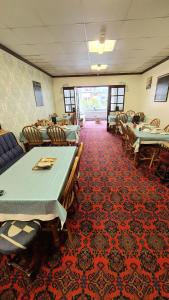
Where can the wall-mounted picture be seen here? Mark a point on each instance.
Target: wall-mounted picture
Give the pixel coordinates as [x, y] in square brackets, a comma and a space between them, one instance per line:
[38, 93]
[149, 82]
[162, 89]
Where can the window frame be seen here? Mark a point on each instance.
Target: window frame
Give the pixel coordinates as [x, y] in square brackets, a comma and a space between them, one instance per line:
[118, 95]
[71, 105]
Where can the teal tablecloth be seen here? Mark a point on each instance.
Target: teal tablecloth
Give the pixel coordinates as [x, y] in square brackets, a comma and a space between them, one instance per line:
[148, 138]
[64, 118]
[30, 194]
[112, 118]
[71, 132]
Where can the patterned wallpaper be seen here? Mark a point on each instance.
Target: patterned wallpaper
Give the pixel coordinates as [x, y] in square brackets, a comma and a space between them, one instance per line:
[17, 100]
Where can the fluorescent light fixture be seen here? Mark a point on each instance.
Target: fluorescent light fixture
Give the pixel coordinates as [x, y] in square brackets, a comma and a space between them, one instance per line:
[98, 67]
[98, 47]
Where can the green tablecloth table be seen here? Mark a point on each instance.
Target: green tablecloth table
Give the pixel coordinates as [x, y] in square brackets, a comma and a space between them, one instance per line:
[148, 138]
[30, 194]
[71, 131]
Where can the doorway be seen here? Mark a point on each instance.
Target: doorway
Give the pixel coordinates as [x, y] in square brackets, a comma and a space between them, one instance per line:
[92, 102]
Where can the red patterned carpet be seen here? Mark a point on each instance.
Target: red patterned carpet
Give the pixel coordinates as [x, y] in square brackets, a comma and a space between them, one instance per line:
[120, 234]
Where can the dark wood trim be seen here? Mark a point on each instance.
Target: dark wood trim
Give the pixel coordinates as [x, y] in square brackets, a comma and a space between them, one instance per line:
[9, 51]
[155, 65]
[94, 75]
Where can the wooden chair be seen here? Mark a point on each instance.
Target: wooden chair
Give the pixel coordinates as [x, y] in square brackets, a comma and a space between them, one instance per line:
[130, 113]
[166, 128]
[131, 138]
[163, 166]
[142, 116]
[57, 136]
[120, 117]
[124, 135]
[155, 122]
[68, 201]
[73, 119]
[69, 197]
[149, 153]
[69, 194]
[33, 136]
[79, 153]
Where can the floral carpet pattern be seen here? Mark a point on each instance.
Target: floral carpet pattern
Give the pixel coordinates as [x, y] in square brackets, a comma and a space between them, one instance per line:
[120, 234]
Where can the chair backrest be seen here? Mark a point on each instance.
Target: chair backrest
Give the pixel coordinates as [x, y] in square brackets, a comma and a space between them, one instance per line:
[123, 117]
[166, 128]
[155, 122]
[142, 116]
[57, 135]
[80, 149]
[130, 113]
[123, 128]
[131, 136]
[32, 135]
[73, 119]
[69, 193]
[79, 153]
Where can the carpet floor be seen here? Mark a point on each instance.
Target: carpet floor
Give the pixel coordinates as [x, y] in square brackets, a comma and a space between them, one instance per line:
[120, 234]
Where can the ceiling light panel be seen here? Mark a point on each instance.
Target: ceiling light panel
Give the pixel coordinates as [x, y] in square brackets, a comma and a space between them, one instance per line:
[97, 47]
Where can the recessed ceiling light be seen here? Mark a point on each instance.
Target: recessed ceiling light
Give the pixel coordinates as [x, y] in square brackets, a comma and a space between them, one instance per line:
[98, 67]
[101, 47]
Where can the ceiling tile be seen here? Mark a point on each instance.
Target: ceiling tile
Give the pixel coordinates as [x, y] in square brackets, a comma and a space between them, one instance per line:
[148, 9]
[17, 13]
[54, 12]
[68, 33]
[54, 34]
[34, 35]
[8, 37]
[105, 10]
[145, 28]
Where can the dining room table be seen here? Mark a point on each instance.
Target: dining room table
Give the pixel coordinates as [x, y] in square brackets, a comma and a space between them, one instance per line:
[30, 193]
[62, 119]
[72, 133]
[149, 136]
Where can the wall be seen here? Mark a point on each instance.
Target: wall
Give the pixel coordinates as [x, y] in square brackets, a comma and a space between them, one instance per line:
[132, 91]
[154, 109]
[17, 100]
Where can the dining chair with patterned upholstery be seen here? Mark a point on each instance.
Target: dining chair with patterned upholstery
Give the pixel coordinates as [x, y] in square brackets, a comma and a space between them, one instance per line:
[32, 136]
[57, 136]
[16, 238]
[166, 129]
[155, 122]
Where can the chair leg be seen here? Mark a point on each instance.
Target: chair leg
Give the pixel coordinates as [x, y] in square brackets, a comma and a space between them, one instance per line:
[70, 236]
[77, 184]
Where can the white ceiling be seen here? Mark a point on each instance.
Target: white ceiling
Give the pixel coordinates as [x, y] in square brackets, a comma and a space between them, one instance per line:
[53, 34]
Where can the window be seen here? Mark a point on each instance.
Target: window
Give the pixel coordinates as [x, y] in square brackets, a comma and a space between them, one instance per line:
[116, 97]
[69, 99]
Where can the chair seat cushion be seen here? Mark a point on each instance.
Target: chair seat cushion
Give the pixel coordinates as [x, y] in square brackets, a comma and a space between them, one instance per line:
[16, 236]
[164, 158]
